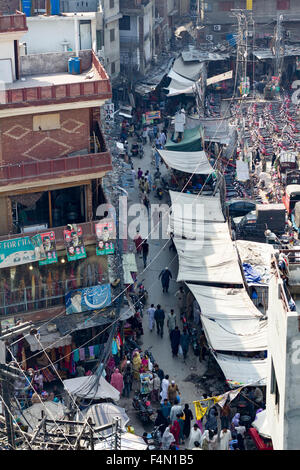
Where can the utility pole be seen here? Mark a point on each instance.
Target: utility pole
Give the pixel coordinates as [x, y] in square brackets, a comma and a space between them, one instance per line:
[7, 376]
[279, 46]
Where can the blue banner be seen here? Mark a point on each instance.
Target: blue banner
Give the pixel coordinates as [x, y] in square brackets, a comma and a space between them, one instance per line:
[89, 298]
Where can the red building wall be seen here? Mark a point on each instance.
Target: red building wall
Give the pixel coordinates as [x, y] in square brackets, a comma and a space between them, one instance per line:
[19, 143]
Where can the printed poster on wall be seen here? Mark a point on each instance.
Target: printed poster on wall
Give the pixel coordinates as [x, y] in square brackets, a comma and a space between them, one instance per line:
[89, 298]
[106, 234]
[74, 243]
[48, 240]
[21, 251]
[151, 115]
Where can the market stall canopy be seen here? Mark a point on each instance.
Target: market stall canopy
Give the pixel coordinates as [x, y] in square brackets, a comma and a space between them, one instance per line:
[212, 205]
[261, 424]
[91, 387]
[203, 56]
[241, 370]
[215, 130]
[224, 304]
[236, 335]
[190, 70]
[48, 339]
[257, 255]
[128, 442]
[155, 75]
[104, 413]
[191, 142]
[185, 82]
[187, 162]
[177, 88]
[289, 51]
[208, 261]
[81, 321]
[32, 416]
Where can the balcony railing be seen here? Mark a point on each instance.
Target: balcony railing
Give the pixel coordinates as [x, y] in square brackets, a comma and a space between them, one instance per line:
[44, 296]
[10, 23]
[88, 234]
[56, 167]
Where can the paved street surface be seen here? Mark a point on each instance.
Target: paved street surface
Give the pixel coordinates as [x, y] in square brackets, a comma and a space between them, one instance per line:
[176, 367]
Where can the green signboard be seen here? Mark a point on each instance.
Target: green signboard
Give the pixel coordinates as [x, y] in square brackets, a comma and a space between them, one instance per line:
[21, 251]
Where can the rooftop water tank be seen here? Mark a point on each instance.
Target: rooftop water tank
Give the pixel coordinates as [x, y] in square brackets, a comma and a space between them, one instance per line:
[55, 8]
[26, 7]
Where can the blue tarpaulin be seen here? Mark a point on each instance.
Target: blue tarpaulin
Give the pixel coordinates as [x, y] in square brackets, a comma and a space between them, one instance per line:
[251, 275]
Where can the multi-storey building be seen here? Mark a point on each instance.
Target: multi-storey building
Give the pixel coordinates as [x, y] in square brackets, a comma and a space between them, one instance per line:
[217, 18]
[136, 36]
[283, 399]
[53, 157]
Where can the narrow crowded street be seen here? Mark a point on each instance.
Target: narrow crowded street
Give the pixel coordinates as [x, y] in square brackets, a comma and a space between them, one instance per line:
[160, 257]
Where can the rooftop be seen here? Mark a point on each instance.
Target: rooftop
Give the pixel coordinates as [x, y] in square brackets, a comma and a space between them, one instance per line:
[39, 80]
[45, 80]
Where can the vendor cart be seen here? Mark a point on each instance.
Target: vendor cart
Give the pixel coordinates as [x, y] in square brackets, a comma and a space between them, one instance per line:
[287, 162]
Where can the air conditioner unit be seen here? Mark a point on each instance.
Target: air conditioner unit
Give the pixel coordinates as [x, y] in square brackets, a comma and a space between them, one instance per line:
[288, 34]
[217, 27]
[250, 34]
[209, 37]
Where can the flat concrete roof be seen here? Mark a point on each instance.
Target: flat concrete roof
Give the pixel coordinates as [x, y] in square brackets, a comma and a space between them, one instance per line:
[52, 79]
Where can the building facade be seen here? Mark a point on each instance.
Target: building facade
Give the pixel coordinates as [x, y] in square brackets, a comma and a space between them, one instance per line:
[217, 18]
[53, 158]
[283, 400]
[136, 36]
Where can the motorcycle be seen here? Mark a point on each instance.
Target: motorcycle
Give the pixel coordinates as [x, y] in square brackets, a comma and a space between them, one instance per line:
[137, 304]
[159, 193]
[153, 438]
[142, 293]
[143, 407]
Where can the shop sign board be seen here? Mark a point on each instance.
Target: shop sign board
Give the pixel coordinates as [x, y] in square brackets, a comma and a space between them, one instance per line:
[21, 251]
[48, 240]
[151, 115]
[74, 243]
[89, 298]
[105, 233]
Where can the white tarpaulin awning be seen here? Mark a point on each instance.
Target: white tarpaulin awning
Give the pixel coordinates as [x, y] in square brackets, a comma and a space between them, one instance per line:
[187, 162]
[48, 340]
[242, 170]
[91, 387]
[242, 370]
[224, 304]
[189, 70]
[104, 413]
[216, 130]
[129, 266]
[261, 424]
[236, 335]
[212, 205]
[212, 261]
[32, 416]
[128, 442]
[180, 79]
[183, 227]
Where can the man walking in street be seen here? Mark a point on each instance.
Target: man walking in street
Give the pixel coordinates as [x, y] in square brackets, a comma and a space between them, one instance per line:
[150, 312]
[180, 296]
[159, 317]
[165, 276]
[184, 342]
[175, 410]
[175, 340]
[145, 248]
[171, 321]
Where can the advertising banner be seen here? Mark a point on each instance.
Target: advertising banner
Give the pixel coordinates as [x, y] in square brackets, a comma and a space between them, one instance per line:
[21, 251]
[105, 233]
[89, 298]
[151, 115]
[48, 240]
[74, 243]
